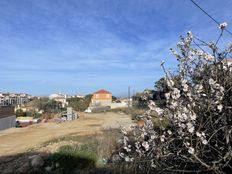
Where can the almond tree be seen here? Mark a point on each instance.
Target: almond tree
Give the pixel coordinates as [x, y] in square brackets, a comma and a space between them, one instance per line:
[199, 115]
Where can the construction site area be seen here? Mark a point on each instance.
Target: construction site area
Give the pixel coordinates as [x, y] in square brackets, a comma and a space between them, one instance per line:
[17, 140]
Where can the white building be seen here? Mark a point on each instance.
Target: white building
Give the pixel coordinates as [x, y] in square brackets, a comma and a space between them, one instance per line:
[12, 99]
[62, 98]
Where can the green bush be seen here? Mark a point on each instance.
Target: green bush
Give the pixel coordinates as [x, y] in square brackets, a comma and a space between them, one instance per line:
[75, 157]
[20, 113]
[80, 104]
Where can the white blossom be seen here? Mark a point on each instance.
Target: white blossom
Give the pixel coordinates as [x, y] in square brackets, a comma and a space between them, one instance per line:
[121, 155]
[211, 81]
[170, 83]
[205, 142]
[191, 150]
[145, 145]
[198, 134]
[190, 35]
[128, 159]
[153, 164]
[162, 138]
[193, 116]
[176, 93]
[223, 25]
[219, 107]
[190, 127]
[167, 96]
[162, 62]
[209, 57]
[159, 110]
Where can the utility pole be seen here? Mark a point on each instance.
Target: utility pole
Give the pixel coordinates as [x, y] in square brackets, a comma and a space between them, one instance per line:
[128, 96]
[132, 100]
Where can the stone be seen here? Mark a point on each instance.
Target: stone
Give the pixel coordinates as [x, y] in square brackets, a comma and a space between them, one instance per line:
[24, 168]
[7, 171]
[57, 165]
[37, 161]
[48, 168]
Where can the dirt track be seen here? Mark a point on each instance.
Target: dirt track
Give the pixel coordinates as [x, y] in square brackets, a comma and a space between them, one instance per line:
[17, 140]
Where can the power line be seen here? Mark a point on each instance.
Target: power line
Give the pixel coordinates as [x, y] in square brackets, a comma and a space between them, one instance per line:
[209, 15]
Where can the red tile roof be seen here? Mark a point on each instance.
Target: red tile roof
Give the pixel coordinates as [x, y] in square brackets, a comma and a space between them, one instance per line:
[102, 91]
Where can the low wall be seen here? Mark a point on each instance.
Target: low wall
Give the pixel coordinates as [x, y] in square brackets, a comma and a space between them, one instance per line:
[118, 105]
[7, 122]
[7, 117]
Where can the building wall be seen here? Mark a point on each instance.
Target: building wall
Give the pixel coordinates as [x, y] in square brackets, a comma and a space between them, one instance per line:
[101, 100]
[102, 97]
[7, 117]
[8, 99]
[119, 105]
[7, 122]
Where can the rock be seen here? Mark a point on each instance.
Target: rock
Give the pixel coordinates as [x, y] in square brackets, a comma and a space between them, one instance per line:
[37, 161]
[24, 168]
[7, 171]
[31, 157]
[57, 165]
[45, 155]
[48, 168]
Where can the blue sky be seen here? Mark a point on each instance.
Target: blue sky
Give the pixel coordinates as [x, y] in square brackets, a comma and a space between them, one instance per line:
[80, 46]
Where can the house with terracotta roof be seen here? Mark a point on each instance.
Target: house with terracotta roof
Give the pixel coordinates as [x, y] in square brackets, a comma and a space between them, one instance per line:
[101, 98]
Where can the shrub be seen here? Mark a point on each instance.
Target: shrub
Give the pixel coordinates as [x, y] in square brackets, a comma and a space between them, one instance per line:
[198, 136]
[75, 157]
[20, 113]
[130, 111]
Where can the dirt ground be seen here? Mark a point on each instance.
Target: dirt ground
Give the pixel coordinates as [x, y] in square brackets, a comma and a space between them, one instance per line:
[19, 140]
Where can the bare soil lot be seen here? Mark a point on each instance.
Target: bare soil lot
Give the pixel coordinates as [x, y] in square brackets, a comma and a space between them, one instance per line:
[19, 140]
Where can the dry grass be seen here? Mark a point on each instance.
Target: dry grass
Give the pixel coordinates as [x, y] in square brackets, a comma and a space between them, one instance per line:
[133, 112]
